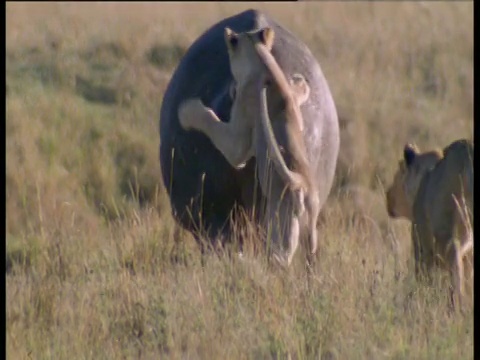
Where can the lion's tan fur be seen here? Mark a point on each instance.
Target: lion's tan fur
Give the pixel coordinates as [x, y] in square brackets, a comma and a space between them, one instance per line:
[434, 190]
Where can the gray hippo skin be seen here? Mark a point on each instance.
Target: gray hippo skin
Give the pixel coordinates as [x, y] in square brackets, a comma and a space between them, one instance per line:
[202, 186]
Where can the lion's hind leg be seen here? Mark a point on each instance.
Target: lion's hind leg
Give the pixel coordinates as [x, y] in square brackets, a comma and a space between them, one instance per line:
[422, 238]
[455, 258]
[313, 212]
[462, 250]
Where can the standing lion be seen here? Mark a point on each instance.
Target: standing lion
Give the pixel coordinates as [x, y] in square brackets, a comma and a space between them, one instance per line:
[434, 190]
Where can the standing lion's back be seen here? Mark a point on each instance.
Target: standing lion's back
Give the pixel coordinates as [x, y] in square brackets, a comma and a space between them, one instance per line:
[450, 179]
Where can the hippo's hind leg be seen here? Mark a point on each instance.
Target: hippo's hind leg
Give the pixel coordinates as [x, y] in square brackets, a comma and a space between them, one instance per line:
[234, 142]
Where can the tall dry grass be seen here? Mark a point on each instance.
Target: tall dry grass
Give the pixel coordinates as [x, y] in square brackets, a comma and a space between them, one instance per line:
[96, 267]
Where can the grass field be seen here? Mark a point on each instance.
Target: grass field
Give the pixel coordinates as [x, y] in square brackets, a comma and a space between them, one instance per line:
[97, 269]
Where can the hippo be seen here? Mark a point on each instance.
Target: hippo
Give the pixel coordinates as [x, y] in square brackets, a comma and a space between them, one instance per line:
[203, 187]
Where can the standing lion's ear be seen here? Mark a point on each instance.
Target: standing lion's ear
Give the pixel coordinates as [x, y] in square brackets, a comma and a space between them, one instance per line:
[267, 36]
[410, 151]
[231, 38]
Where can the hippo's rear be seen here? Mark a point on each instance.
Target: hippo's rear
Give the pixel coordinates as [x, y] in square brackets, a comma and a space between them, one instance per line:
[203, 188]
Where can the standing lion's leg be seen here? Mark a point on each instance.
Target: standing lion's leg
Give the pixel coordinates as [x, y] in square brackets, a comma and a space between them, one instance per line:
[234, 144]
[462, 250]
[455, 260]
[422, 239]
[417, 251]
[467, 254]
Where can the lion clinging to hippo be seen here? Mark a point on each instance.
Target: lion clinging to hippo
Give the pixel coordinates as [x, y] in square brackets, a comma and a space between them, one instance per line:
[266, 108]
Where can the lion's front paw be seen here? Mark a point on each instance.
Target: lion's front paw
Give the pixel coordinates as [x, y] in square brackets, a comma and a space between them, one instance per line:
[188, 111]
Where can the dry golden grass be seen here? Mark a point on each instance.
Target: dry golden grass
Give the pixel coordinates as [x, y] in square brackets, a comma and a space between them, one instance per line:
[96, 267]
